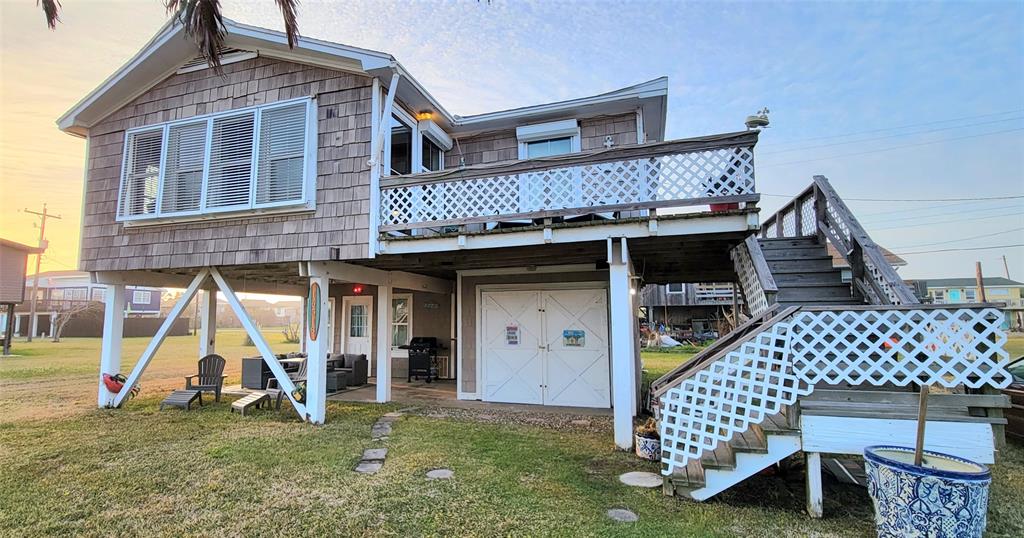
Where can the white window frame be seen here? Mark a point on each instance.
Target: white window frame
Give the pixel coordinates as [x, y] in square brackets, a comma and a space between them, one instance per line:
[668, 289]
[970, 295]
[391, 332]
[419, 129]
[98, 294]
[548, 131]
[306, 203]
[135, 297]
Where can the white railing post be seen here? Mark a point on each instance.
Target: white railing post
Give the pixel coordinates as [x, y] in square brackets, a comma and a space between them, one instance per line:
[623, 343]
[317, 347]
[113, 331]
[384, 293]
[208, 322]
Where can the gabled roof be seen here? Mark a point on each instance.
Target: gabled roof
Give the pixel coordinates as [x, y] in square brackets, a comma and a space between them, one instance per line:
[970, 282]
[839, 261]
[170, 49]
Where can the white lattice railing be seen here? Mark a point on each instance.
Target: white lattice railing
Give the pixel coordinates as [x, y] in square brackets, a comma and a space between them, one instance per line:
[716, 169]
[820, 210]
[755, 278]
[799, 348]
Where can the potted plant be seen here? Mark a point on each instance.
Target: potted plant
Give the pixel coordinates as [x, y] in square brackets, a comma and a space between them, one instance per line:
[648, 440]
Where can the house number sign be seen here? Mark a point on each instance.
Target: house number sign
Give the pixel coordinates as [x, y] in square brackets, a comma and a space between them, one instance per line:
[512, 335]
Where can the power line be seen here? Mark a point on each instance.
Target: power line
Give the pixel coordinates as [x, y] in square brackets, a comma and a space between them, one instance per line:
[925, 208]
[958, 240]
[936, 122]
[946, 222]
[939, 214]
[1007, 197]
[958, 249]
[893, 148]
[897, 135]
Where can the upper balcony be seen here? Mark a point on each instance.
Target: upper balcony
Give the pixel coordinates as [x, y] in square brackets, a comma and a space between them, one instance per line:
[611, 185]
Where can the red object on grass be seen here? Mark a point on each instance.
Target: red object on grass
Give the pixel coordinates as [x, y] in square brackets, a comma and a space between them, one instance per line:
[725, 207]
[113, 385]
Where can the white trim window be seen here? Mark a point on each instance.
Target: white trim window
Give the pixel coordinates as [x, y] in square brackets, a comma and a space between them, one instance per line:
[970, 295]
[99, 294]
[547, 139]
[249, 159]
[401, 319]
[413, 147]
[675, 289]
[142, 297]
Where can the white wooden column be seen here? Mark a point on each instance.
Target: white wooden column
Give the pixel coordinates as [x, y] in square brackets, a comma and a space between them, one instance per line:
[208, 322]
[814, 495]
[317, 347]
[302, 324]
[623, 343]
[384, 293]
[110, 347]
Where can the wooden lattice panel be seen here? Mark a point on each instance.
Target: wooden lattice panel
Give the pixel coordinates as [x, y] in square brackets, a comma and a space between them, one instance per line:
[679, 176]
[875, 347]
[808, 226]
[727, 396]
[753, 293]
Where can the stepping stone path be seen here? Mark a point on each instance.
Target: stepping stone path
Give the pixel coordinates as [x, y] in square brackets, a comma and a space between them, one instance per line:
[373, 458]
[440, 474]
[640, 479]
[622, 515]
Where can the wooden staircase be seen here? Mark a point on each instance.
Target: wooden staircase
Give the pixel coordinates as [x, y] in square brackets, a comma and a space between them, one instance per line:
[746, 454]
[804, 275]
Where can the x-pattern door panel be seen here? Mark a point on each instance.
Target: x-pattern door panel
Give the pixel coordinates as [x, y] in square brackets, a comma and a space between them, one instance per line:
[546, 347]
[576, 344]
[514, 370]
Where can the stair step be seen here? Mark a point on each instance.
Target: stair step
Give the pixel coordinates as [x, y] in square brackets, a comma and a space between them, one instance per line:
[721, 458]
[802, 253]
[751, 441]
[690, 478]
[823, 302]
[777, 425]
[813, 293]
[789, 242]
[821, 263]
[813, 278]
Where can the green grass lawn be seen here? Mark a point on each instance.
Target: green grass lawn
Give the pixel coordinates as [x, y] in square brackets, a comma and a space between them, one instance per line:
[67, 468]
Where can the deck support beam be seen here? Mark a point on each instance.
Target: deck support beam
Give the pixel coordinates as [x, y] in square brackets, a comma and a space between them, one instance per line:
[208, 322]
[384, 294]
[113, 331]
[623, 337]
[317, 347]
[813, 478]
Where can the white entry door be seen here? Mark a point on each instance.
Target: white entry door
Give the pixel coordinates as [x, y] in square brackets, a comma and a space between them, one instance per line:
[356, 332]
[546, 347]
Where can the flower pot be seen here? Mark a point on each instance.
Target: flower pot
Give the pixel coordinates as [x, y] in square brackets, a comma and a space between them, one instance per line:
[113, 385]
[945, 496]
[724, 207]
[647, 448]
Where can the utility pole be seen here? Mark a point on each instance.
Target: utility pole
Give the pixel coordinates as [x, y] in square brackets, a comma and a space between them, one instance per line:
[32, 326]
[1006, 267]
[980, 280]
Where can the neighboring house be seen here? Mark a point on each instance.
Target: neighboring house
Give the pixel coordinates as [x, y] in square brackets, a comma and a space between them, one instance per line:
[839, 261]
[13, 263]
[59, 290]
[517, 239]
[953, 291]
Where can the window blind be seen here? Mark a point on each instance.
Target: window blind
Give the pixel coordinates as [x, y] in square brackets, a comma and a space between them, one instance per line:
[231, 161]
[183, 175]
[282, 147]
[140, 183]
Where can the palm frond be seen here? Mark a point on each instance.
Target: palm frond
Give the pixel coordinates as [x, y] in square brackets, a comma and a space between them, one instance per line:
[289, 12]
[204, 23]
[51, 8]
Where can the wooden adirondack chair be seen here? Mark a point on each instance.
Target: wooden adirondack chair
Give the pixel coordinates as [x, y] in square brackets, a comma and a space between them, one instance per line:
[210, 377]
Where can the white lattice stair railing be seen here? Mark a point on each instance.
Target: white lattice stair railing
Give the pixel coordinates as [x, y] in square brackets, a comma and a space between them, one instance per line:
[800, 348]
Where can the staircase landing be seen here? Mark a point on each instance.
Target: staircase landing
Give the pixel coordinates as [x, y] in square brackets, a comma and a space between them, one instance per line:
[803, 272]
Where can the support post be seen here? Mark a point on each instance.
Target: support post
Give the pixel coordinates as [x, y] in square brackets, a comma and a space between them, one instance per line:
[302, 324]
[623, 343]
[110, 347]
[814, 495]
[317, 347]
[384, 293]
[208, 322]
[8, 328]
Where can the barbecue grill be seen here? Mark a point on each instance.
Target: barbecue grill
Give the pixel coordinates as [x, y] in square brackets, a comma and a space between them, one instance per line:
[423, 357]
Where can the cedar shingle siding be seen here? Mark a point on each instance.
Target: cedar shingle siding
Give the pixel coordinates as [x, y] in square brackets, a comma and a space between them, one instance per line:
[341, 218]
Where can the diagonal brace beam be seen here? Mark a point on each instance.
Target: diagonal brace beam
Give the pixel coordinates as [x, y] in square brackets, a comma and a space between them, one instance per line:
[160, 335]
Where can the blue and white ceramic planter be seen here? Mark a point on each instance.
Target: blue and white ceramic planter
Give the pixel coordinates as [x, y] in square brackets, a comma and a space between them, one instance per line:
[648, 449]
[945, 497]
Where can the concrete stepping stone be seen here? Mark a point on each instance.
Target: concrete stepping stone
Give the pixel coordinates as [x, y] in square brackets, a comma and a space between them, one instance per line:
[369, 467]
[380, 430]
[440, 474]
[622, 515]
[375, 454]
[641, 479]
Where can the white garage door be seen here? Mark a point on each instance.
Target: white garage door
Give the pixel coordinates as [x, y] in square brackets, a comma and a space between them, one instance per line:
[546, 347]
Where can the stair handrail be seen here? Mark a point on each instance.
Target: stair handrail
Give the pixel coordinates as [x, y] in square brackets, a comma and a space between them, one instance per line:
[755, 277]
[712, 352]
[819, 211]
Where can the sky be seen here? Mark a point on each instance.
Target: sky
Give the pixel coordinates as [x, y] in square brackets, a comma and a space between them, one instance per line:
[890, 101]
